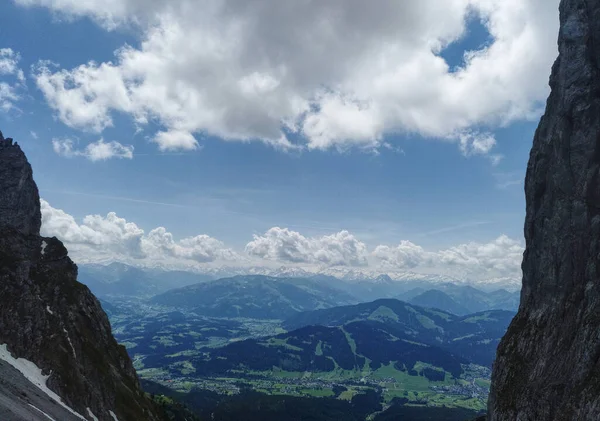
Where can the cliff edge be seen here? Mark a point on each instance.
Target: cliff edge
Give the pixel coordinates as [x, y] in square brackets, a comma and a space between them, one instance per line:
[548, 363]
[50, 319]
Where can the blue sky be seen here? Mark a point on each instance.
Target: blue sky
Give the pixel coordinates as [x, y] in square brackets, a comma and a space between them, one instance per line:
[405, 182]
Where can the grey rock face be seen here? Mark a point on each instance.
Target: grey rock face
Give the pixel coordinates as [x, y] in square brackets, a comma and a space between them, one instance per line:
[548, 364]
[49, 318]
[19, 198]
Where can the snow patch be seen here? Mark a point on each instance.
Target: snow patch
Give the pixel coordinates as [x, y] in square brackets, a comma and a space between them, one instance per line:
[43, 413]
[112, 414]
[70, 343]
[49, 311]
[34, 374]
[44, 245]
[91, 414]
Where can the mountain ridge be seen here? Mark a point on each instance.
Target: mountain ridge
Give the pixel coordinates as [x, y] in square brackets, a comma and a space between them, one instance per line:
[474, 336]
[254, 296]
[339, 273]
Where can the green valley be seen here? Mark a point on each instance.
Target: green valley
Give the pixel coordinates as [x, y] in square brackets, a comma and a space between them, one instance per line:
[387, 352]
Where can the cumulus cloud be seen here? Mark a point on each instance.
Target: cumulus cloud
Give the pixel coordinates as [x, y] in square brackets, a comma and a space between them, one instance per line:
[96, 151]
[338, 74]
[500, 258]
[200, 248]
[475, 143]
[12, 79]
[9, 63]
[112, 238]
[406, 255]
[97, 237]
[56, 222]
[101, 238]
[284, 245]
[174, 139]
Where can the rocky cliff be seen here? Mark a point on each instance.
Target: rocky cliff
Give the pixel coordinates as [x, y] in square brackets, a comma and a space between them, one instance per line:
[50, 319]
[548, 364]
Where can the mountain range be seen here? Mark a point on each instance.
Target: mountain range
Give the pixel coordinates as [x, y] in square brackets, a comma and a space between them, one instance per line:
[261, 296]
[365, 277]
[462, 299]
[473, 337]
[125, 280]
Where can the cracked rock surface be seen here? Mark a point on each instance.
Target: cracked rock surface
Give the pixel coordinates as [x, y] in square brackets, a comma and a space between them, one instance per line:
[548, 363]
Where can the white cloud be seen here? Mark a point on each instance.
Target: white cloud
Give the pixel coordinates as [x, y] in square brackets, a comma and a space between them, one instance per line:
[56, 222]
[175, 139]
[12, 79]
[201, 248]
[340, 73]
[102, 238]
[500, 258]
[476, 143]
[9, 63]
[284, 245]
[404, 256]
[97, 236]
[120, 235]
[96, 90]
[8, 97]
[96, 151]
[112, 238]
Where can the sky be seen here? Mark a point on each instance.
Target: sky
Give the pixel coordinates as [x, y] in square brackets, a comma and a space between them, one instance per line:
[387, 137]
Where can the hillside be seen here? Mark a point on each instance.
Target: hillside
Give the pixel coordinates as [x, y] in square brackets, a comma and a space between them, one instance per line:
[465, 299]
[255, 296]
[393, 348]
[358, 346]
[317, 361]
[437, 299]
[474, 336]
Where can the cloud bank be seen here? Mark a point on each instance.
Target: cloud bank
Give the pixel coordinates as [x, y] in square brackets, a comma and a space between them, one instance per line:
[312, 74]
[12, 79]
[112, 238]
[284, 245]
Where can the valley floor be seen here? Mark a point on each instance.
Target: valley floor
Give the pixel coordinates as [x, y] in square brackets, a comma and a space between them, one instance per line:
[367, 361]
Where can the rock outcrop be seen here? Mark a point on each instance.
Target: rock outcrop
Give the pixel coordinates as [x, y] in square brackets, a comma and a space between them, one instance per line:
[548, 364]
[19, 198]
[49, 318]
